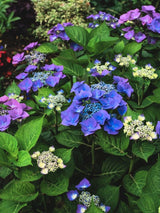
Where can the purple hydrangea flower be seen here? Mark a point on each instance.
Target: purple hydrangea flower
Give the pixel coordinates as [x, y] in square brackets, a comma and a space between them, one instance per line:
[139, 37]
[72, 195]
[147, 19]
[30, 68]
[129, 16]
[31, 46]
[112, 126]
[18, 58]
[75, 47]
[158, 128]
[155, 25]
[21, 76]
[89, 126]
[129, 35]
[3, 99]
[83, 184]
[81, 208]
[5, 121]
[26, 85]
[148, 8]
[48, 67]
[151, 40]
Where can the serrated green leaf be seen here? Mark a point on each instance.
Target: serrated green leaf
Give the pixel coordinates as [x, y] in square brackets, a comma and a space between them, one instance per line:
[102, 31]
[9, 143]
[143, 149]
[18, 191]
[114, 167]
[70, 138]
[70, 68]
[13, 88]
[65, 154]
[4, 171]
[115, 145]
[93, 209]
[134, 184]
[28, 174]
[56, 185]
[109, 196]
[7, 206]
[77, 34]
[118, 48]
[146, 204]
[131, 48]
[24, 159]
[28, 134]
[47, 47]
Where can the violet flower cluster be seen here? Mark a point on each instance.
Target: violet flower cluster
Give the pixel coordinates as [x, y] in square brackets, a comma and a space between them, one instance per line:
[100, 70]
[102, 16]
[147, 17]
[85, 197]
[50, 75]
[10, 110]
[97, 105]
[58, 31]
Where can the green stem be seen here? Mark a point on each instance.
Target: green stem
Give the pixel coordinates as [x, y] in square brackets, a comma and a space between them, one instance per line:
[82, 171]
[56, 122]
[93, 156]
[131, 165]
[44, 203]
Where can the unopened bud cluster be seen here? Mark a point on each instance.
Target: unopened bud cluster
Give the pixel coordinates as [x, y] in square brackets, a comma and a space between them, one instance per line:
[15, 96]
[34, 57]
[137, 129]
[54, 101]
[47, 161]
[148, 72]
[99, 68]
[124, 61]
[86, 198]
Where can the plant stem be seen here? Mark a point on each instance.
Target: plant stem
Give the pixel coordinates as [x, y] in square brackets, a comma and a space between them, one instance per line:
[93, 156]
[44, 203]
[56, 122]
[131, 165]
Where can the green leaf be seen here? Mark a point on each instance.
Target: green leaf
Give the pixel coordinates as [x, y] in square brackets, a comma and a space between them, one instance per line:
[115, 145]
[102, 31]
[123, 208]
[18, 191]
[28, 173]
[7, 206]
[47, 47]
[8, 143]
[57, 184]
[118, 48]
[13, 88]
[4, 172]
[131, 48]
[77, 34]
[24, 159]
[134, 184]
[65, 154]
[109, 196]
[143, 149]
[146, 204]
[70, 68]
[28, 134]
[70, 138]
[114, 167]
[93, 209]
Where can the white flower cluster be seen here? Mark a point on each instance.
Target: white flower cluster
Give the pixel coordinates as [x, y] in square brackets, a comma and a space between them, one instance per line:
[124, 61]
[47, 161]
[137, 129]
[148, 72]
[15, 96]
[54, 101]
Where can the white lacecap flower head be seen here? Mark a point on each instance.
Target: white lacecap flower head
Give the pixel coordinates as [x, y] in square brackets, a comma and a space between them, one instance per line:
[135, 136]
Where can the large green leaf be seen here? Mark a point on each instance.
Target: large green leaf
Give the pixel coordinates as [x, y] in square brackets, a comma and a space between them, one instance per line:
[24, 159]
[70, 68]
[109, 196]
[93, 209]
[55, 185]
[123, 208]
[102, 32]
[8, 143]
[146, 204]
[131, 48]
[65, 154]
[114, 167]
[70, 138]
[28, 173]
[118, 48]
[143, 149]
[77, 34]
[13, 88]
[28, 134]
[134, 184]
[115, 145]
[18, 191]
[47, 47]
[7, 206]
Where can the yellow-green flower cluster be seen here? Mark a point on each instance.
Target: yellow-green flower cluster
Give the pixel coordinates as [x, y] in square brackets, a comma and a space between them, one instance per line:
[124, 61]
[148, 72]
[47, 161]
[137, 129]
[54, 101]
[15, 96]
